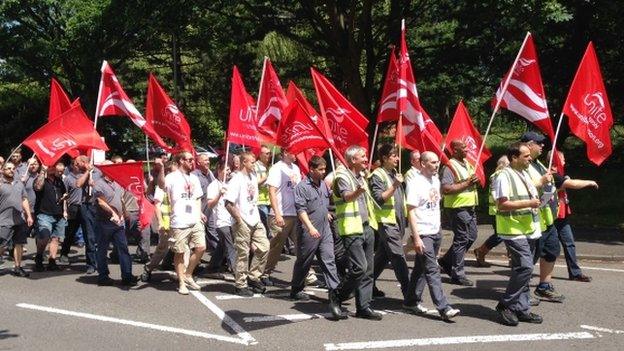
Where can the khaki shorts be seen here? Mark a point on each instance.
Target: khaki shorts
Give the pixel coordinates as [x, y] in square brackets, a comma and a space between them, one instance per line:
[194, 236]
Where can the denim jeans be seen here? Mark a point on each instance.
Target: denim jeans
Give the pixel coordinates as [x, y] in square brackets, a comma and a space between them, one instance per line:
[110, 232]
[566, 237]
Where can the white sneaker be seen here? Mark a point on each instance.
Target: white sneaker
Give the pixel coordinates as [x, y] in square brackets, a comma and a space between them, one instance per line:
[191, 283]
[417, 309]
[182, 290]
[449, 314]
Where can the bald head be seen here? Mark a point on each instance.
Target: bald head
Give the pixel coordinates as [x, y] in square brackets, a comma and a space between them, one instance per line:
[430, 163]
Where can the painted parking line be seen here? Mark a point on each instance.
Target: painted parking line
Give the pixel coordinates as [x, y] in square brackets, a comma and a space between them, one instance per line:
[162, 328]
[255, 296]
[296, 317]
[381, 344]
[602, 330]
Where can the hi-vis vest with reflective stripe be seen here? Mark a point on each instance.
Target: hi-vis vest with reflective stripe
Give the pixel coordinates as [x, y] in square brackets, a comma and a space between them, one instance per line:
[516, 222]
[536, 172]
[165, 212]
[469, 196]
[263, 191]
[348, 217]
[386, 214]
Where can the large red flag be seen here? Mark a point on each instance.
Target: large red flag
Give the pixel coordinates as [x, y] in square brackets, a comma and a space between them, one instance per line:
[387, 110]
[588, 109]
[300, 131]
[463, 129]
[167, 119]
[71, 130]
[525, 93]
[59, 101]
[272, 103]
[242, 126]
[113, 101]
[338, 113]
[130, 177]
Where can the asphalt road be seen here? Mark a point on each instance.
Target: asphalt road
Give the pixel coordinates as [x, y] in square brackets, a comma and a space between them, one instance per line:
[67, 311]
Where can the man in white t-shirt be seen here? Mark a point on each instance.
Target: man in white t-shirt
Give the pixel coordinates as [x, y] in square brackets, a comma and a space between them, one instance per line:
[184, 191]
[282, 178]
[241, 200]
[223, 220]
[423, 206]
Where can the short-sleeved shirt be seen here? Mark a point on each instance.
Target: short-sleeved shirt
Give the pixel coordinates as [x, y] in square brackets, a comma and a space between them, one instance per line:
[11, 197]
[112, 193]
[284, 177]
[20, 170]
[424, 194]
[79, 195]
[501, 188]
[344, 186]
[378, 186]
[221, 214]
[130, 202]
[313, 199]
[243, 193]
[185, 193]
[48, 197]
[29, 185]
[204, 181]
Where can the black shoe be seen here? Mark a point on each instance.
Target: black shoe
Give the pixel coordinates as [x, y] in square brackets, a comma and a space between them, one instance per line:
[299, 296]
[106, 281]
[378, 293]
[64, 259]
[369, 313]
[90, 270]
[52, 266]
[256, 286]
[244, 292]
[146, 276]
[39, 263]
[530, 318]
[143, 259]
[114, 259]
[321, 284]
[463, 281]
[266, 281]
[507, 316]
[20, 272]
[132, 281]
[335, 306]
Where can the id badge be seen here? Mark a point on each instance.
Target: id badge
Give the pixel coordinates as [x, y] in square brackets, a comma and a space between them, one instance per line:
[189, 209]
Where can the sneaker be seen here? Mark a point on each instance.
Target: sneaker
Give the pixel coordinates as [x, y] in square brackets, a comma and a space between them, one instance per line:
[299, 296]
[39, 263]
[90, 270]
[244, 292]
[582, 278]
[549, 294]
[480, 255]
[146, 276]
[463, 281]
[507, 316]
[132, 281]
[449, 313]
[191, 283]
[106, 281]
[415, 309]
[256, 286]
[20, 272]
[182, 290]
[529, 318]
[64, 259]
[52, 266]
[266, 281]
[534, 301]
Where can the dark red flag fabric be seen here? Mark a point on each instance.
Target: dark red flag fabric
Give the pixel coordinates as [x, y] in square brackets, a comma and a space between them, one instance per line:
[588, 109]
[242, 126]
[129, 175]
[59, 101]
[463, 129]
[338, 113]
[525, 93]
[272, 104]
[387, 110]
[300, 131]
[113, 101]
[431, 128]
[167, 119]
[71, 130]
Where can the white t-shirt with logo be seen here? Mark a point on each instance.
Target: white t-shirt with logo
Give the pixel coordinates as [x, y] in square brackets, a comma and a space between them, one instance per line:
[242, 191]
[223, 217]
[184, 191]
[424, 194]
[284, 178]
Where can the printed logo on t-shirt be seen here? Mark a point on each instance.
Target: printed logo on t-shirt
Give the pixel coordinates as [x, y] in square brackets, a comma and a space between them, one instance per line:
[434, 198]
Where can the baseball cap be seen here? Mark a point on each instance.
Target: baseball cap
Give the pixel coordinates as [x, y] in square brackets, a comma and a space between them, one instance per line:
[533, 136]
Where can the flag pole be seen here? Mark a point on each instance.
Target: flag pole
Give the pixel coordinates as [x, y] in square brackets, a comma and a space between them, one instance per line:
[331, 159]
[554, 143]
[499, 100]
[399, 129]
[372, 151]
[273, 155]
[227, 163]
[11, 154]
[147, 155]
[95, 121]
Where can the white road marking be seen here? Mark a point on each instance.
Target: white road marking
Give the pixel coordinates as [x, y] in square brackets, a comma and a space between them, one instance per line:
[456, 340]
[158, 327]
[242, 333]
[564, 266]
[304, 316]
[604, 330]
[255, 296]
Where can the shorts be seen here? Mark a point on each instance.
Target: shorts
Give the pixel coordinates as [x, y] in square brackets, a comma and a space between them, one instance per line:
[50, 226]
[548, 246]
[18, 233]
[194, 235]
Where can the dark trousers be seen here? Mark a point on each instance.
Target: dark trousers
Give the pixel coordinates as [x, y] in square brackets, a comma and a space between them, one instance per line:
[340, 254]
[566, 237]
[360, 250]
[110, 232]
[144, 235]
[391, 249]
[464, 223]
[264, 217]
[73, 223]
[494, 240]
[212, 237]
[323, 249]
[426, 271]
[225, 250]
[85, 218]
[516, 296]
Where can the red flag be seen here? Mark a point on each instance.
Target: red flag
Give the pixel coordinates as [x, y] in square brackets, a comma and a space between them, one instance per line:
[59, 101]
[167, 119]
[588, 109]
[525, 93]
[388, 103]
[463, 129]
[272, 103]
[338, 113]
[411, 125]
[242, 126]
[113, 101]
[71, 130]
[431, 128]
[300, 131]
[130, 177]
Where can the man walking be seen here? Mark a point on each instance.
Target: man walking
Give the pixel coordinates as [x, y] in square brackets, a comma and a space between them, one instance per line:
[261, 168]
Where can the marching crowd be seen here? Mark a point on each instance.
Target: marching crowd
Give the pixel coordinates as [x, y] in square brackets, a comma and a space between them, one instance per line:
[352, 220]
